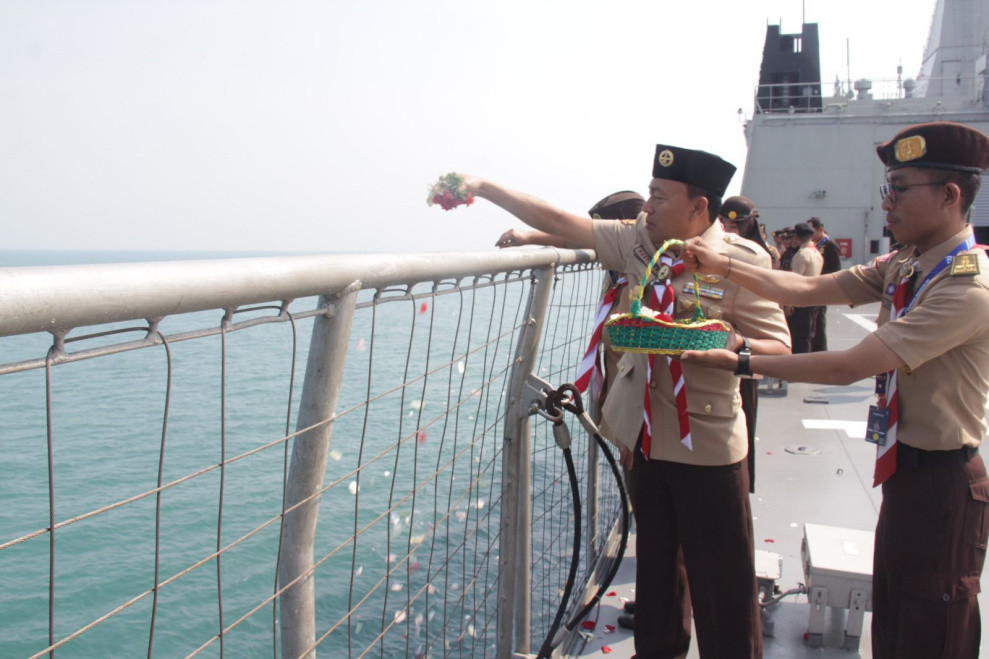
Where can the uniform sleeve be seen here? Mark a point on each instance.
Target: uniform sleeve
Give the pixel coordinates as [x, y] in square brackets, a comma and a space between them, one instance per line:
[952, 314]
[862, 283]
[613, 240]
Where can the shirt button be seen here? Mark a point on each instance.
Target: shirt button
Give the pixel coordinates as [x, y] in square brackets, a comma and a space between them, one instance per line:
[946, 597]
[707, 408]
[652, 384]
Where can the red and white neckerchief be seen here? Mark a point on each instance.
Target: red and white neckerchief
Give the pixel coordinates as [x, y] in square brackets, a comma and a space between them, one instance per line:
[665, 306]
[590, 371]
[886, 453]
[889, 398]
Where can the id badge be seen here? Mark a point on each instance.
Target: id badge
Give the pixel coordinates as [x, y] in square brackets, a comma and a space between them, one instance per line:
[877, 425]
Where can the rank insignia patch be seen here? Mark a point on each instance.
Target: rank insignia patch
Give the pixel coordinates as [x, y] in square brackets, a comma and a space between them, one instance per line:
[964, 264]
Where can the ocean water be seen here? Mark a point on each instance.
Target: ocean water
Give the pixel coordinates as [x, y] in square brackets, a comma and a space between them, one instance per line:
[422, 573]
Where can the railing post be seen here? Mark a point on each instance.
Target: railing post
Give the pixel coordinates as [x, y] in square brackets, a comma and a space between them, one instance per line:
[320, 389]
[592, 498]
[515, 545]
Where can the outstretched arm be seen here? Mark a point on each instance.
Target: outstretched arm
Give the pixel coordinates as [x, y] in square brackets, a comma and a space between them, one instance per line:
[535, 212]
[869, 357]
[786, 288]
[513, 238]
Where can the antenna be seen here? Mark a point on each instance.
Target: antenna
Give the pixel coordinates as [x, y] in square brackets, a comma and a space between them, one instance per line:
[803, 10]
[848, 60]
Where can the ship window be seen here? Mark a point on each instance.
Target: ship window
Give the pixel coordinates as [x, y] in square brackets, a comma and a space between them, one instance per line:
[798, 44]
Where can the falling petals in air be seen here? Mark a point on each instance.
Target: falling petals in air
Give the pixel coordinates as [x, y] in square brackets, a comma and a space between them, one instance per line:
[353, 487]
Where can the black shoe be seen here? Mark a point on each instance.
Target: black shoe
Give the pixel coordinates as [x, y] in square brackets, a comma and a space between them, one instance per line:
[630, 606]
[626, 621]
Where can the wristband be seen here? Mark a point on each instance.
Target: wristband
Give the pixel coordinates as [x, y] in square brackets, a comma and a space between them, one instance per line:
[744, 353]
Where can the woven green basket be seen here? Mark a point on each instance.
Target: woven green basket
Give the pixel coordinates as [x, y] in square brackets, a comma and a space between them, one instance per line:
[641, 330]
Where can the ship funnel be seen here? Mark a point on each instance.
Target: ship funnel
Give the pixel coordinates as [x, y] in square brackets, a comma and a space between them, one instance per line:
[863, 87]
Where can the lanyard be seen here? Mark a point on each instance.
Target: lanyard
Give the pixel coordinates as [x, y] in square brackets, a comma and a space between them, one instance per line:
[966, 245]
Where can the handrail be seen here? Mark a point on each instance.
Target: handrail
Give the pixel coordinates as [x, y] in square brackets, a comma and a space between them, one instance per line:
[59, 298]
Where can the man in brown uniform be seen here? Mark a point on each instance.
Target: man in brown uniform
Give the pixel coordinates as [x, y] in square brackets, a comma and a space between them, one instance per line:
[931, 358]
[600, 365]
[807, 261]
[691, 491]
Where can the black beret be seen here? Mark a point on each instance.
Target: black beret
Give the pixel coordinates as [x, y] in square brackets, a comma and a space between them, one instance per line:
[623, 205]
[705, 170]
[937, 145]
[738, 208]
[803, 229]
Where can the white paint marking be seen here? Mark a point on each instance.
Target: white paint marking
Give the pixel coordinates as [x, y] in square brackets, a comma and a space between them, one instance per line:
[866, 321]
[854, 429]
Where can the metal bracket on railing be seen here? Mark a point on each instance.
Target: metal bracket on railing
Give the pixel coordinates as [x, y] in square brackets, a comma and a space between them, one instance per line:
[152, 334]
[536, 391]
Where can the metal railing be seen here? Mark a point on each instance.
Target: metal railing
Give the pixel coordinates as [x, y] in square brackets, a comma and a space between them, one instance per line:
[158, 500]
[818, 97]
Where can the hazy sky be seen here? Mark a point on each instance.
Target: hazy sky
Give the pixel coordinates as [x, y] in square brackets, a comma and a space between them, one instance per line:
[319, 126]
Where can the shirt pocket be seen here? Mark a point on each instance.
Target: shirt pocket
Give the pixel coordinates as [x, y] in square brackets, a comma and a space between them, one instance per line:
[705, 402]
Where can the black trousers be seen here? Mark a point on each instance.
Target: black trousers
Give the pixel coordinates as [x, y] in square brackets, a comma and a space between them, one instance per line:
[695, 553]
[801, 324]
[819, 341]
[930, 550]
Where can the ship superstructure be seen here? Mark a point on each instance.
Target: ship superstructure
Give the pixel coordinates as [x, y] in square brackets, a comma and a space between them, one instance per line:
[811, 144]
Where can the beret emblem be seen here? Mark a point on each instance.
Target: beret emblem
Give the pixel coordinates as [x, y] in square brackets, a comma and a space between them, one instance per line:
[666, 158]
[910, 148]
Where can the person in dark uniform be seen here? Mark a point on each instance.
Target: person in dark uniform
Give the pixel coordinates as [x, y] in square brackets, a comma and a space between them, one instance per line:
[930, 356]
[788, 246]
[832, 263]
[690, 491]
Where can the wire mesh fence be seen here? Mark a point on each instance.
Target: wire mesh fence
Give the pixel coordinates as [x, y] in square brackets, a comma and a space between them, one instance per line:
[145, 467]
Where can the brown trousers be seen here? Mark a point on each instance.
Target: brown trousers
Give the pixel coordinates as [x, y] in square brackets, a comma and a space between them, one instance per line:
[694, 526]
[930, 549]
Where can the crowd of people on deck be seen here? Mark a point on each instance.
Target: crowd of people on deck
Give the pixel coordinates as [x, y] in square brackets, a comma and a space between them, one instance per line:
[685, 425]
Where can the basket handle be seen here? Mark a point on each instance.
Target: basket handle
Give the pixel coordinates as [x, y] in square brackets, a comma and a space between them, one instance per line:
[636, 307]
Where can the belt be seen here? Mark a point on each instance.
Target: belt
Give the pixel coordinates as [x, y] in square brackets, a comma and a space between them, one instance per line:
[914, 457]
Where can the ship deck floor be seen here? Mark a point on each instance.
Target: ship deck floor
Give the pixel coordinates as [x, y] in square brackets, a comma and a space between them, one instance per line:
[812, 466]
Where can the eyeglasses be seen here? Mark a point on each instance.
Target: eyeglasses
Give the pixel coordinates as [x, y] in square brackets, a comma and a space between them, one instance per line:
[889, 191]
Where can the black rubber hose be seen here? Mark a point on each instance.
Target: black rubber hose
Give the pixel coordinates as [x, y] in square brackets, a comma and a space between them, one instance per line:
[547, 648]
[623, 543]
[576, 406]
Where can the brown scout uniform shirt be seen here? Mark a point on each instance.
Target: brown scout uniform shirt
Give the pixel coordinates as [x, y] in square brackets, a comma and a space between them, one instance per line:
[807, 261]
[717, 425]
[944, 341]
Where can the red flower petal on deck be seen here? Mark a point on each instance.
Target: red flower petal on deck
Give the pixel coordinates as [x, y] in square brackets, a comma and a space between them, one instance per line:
[609, 628]
[769, 540]
[611, 594]
[605, 649]
[587, 624]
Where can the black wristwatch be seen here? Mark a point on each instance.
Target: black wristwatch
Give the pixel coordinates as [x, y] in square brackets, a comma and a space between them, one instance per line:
[743, 358]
